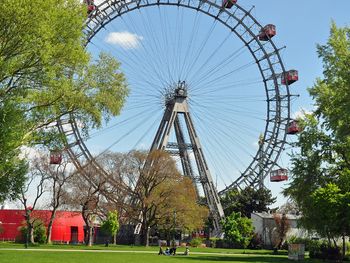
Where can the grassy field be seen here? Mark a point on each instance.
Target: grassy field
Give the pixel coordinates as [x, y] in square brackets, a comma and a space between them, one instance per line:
[13, 253]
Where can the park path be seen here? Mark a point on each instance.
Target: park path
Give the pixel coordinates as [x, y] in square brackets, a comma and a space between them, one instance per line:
[121, 251]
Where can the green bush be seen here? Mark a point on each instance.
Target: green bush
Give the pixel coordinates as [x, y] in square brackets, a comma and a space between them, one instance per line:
[195, 242]
[299, 240]
[213, 241]
[39, 232]
[321, 250]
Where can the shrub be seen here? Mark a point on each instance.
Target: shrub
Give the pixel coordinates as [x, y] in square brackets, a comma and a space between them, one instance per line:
[195, 242]
[321, 250]
[39, 232]
[300, 240]
[213, 241]
[256, 242]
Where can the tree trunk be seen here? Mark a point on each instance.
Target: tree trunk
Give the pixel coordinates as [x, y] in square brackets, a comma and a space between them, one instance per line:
[147, 236]
[115, 239]
[344, 246]
[89, 236]
[49, 227]
[31, 233]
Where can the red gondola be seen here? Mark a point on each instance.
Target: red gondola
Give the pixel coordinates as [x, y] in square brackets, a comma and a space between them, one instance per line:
[267, 32]
[289, 77]
[228, 3]
[279, 175]
[293, 127]
[55, 157]
[90, 5]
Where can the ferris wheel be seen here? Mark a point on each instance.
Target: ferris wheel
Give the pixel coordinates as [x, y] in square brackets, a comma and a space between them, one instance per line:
[207, 85]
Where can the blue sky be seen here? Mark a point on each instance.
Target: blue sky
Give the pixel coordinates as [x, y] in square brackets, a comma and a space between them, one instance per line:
[228, 112]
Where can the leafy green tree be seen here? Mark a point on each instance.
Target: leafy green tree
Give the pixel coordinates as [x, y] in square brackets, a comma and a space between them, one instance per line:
[238, 229]
[247, 200]
[320, 168]
[45, 73]
[332, 93]
[331, 210]
[111, 225]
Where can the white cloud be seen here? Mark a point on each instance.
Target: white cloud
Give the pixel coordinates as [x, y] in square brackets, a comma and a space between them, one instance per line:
[301, 113]
[124, 39]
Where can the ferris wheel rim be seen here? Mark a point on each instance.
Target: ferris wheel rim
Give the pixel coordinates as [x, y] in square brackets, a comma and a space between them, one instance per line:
[274, 134]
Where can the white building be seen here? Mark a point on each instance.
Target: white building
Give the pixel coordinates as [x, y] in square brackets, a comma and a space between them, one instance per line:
[265, 227]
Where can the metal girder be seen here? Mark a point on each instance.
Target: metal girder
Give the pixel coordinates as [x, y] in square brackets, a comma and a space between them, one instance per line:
[177, 106]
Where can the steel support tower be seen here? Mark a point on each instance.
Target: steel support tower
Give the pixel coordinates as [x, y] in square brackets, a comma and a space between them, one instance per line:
[177, 105]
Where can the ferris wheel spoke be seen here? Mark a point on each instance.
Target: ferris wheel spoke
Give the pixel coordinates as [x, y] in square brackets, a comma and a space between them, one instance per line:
[193, 35]
[200, 49]
[211, 56]
[226, 75]
[217, 89]
[148, 57]
[144, 71]
[132, 130]
[220, 65]
[128, 120]
[218, 143]
[230, 123]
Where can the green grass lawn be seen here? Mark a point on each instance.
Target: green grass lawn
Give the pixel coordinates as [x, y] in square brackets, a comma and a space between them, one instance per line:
[55, 253]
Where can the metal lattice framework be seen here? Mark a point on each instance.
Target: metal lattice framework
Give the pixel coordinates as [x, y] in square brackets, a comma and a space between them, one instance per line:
[267, 58]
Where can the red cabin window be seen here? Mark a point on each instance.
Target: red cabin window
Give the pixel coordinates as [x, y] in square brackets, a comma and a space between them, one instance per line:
[267, 32]
[228, 3]
[279, 175]
[293, 127]
[289, 77]
[90, 5]
[55, 157]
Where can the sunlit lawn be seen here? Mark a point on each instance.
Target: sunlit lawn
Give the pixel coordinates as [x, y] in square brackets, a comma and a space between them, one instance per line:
[43, 254]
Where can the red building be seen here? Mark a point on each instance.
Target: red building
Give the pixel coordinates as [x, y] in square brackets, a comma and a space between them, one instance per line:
[67, 226]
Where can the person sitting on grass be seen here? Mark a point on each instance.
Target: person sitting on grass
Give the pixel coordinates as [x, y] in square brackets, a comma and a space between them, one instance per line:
[187, 251]
[161, 252]
[172, 251]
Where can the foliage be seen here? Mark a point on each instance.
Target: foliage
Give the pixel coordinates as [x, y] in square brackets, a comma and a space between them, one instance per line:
[39, 232]
[111, 224]
[238, 229]
[320, 170]
[322, 250]
[332, 94]
[213, 241]
[247, 201]
[41, 46]
[195, 242]
[167, 199]
[256, 242]
[300, 240]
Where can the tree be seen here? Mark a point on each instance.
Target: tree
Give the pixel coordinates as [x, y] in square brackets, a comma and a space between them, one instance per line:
[282, 228]
[323, 163]
[57, 176]
[179, 209]
[111, 225]
[84, 191]
[238, 229]
[37, 180]
[158, 191]
[38, 59]
[247, 201]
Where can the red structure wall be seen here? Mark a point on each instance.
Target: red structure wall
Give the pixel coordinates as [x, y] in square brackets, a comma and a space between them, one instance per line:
[67, 226]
